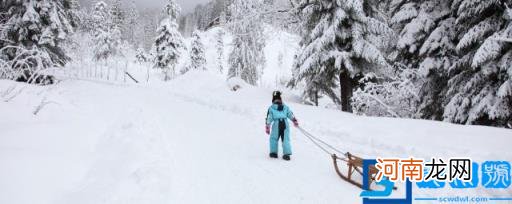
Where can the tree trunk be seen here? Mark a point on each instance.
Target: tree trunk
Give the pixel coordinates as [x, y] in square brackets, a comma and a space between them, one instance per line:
[166, 74]
[346, 91]
[316, 98]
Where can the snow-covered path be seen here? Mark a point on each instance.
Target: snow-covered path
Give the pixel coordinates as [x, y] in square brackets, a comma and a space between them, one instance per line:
[194, 141]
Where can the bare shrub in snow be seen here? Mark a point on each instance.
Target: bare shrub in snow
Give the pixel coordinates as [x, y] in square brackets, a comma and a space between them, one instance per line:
[394, 95]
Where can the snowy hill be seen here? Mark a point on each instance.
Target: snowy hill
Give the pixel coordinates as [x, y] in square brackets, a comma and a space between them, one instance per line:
[193, 140]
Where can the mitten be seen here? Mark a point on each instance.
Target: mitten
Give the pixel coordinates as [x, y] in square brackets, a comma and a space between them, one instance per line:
[295, 122]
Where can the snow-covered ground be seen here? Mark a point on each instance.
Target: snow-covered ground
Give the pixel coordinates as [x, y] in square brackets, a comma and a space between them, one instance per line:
[193, 140]
[97, 137]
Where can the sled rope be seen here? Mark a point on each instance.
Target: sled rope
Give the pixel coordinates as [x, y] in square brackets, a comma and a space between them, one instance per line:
[316, 141]
[354, 163]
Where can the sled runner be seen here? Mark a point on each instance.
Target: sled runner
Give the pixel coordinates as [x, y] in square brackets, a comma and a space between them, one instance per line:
[355, 164]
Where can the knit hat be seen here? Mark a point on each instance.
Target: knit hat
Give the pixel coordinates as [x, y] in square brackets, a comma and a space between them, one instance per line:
[276, 95]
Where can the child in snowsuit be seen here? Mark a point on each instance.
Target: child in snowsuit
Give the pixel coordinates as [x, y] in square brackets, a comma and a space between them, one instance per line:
[277, 116]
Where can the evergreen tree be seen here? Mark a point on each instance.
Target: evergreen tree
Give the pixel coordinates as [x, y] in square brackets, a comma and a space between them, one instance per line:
[426, 42]
[117, 14]
[75, 15]
[141, 55]
[133, 25]
[479, 90]
[247, 58]
[100, 17]
[106, 34]
[168, 41]
[87, 21]
[31, 34]
[150, 23]
[338, 44]
[197, 56]
[116, 23]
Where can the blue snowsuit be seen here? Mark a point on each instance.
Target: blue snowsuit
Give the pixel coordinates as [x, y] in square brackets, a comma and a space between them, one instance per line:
[280, 127]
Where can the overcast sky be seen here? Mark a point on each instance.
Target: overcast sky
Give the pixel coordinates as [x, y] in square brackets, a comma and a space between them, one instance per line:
[186, 5]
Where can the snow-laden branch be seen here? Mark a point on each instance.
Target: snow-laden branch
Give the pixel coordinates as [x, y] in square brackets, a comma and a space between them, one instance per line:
[27, 63]
[395, 95]
[386, 107]
[503, 39]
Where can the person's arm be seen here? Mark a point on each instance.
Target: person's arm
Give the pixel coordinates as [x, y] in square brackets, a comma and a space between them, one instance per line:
[290, 116]
[268, 121]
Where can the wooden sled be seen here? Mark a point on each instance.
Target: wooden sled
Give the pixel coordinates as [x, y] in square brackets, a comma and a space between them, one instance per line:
[355, 164]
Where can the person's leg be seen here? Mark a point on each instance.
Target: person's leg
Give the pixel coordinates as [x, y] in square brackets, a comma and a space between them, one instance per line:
[287, 148]
[273, 142]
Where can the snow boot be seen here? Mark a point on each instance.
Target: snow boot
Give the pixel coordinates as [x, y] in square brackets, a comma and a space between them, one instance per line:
[286, 157]
[273, 155]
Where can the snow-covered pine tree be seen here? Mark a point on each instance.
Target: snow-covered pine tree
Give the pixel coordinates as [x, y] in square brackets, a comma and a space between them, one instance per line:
[197, 55]
[426, 42]
[118, 20]
[87, 21]
[31, 34]
[480, 85]
[337, 46]
[414, 21]
[150, 22]
[117, 14]
[168, 41]
[116, 24]
[247, 59]
[99, 17]
[106, 35]
[132, 24]
[141, 55]
[220, 49]
[75, 15]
